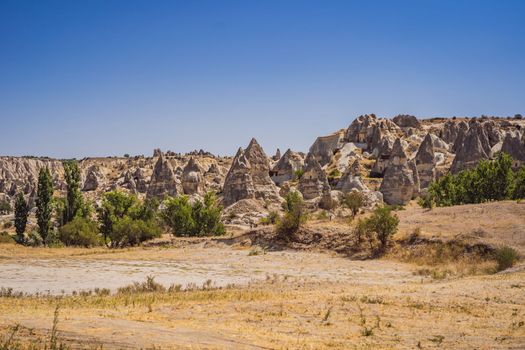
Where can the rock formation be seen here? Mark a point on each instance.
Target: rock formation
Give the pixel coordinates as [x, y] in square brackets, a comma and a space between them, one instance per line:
[249, 177]
[192, 179]
[324, 147]
[163, 181]
[472, 150]
[406, 121]
[287, 166]
[400, 182]
[425, 162]
[313, 183]
[383, 156]
[93, 179]
[277, 155]
[514, 145]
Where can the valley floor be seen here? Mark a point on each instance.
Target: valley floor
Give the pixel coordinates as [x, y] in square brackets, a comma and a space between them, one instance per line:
[280, 299]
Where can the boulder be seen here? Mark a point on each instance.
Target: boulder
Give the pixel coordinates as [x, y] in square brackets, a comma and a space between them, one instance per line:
[163, 181]
[370, 130]
[400, 182]
[192, 179]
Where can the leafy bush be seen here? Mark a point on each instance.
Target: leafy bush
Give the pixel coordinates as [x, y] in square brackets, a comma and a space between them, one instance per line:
[294, 214]
[80, 232]
[271, 219]
[506, 257]
[519, 186]
[335, 173]
[298, 173]
[202, 218]
[5, 237]
[354, 201]
[131, 232]
[381, 226]
[124, 220]
[5, 207]
[490, 180]
[34, 239]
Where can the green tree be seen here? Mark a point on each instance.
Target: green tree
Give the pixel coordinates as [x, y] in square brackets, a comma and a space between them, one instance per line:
[74, 203]
[519, 187]
[202, 218]
[21, 213]
[80, 232]
[354, 201]
[124, 220]
[115, 205]
[294, 215]
[384, 224]
[44, 203]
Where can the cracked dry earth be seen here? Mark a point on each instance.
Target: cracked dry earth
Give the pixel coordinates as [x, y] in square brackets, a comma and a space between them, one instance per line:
[282, 300]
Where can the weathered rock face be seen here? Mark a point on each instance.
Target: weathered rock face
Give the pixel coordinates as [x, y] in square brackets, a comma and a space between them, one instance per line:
[238, 183]
[324, 147]
[407, 121]
[313, 182]
[400, 183]
[351, 180]
[461, 134]
[383, 156]
[369, 130]
[157, 152]
[249, 177]
[285, 168]
[94, 179]
[494, 134]
[514, 145]
[277, 155]
[192, 179]
[163, 181]
[472, 150]
[21, 174]
[426, 162]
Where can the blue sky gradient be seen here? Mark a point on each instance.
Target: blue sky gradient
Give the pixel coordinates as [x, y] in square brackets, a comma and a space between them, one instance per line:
[95, 78]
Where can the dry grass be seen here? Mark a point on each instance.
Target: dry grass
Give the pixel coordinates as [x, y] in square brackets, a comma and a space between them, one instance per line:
[475, 312]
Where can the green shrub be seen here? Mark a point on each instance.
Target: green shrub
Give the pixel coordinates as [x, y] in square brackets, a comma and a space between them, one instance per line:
[299, 173]
[491, 180]
[271, 219]
[426, 201]
[202, 218]
[506, 257]
[354, 201]
[124, 220]
[382, 225]
[80, 232]
[5, 207]
[5, 237]
[294, 214]
[131, 232]
[335, 173]
[34, 239]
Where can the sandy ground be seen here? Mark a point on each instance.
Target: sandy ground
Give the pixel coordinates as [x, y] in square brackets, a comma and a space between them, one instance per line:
[282, 299]
[311, 301]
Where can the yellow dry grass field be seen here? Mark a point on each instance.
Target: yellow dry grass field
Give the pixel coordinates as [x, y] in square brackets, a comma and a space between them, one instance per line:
[281, 299]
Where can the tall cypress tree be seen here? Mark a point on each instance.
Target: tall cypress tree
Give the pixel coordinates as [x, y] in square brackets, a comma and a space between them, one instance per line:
[21, 212]
[43, 203]
[74, 200]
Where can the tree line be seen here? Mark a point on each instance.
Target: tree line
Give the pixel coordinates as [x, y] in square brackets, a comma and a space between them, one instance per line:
[490, 180]
[120, 219]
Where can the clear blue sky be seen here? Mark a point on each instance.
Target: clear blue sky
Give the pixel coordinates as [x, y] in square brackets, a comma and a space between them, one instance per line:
[85, 78]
